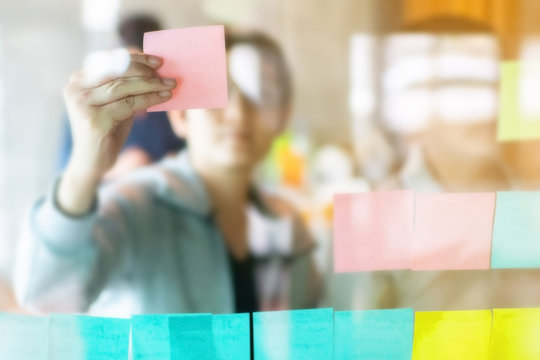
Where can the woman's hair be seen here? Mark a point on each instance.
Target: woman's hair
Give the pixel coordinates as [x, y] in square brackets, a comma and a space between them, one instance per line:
[131, 29]
[269, 49]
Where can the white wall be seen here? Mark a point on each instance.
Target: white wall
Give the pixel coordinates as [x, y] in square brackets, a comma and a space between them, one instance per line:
[41, 44]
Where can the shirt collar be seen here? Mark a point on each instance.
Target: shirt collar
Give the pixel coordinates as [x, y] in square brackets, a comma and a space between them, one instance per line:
[183, 188]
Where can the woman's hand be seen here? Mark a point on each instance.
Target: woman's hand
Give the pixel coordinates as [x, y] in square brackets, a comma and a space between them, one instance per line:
[101, 111]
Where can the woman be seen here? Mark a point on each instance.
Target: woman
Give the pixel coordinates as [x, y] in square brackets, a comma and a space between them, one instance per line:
[189, 234]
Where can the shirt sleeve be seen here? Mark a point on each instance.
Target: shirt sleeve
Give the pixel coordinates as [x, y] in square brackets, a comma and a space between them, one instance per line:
[63, 261]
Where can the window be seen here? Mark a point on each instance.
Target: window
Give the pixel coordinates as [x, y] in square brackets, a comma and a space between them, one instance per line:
[444, 77]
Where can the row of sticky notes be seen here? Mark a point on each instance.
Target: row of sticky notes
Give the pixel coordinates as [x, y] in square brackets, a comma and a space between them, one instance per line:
[436, 231]
[282, 335]
[156, 337]
[63, 337]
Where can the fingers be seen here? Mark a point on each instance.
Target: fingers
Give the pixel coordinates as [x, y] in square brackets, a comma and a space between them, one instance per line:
[89, 80]
[128, 106]
[117, 97]
[113, 65]
[151, 61]
[123, 87]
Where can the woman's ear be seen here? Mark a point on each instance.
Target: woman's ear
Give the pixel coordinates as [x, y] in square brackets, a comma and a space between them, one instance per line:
[178, 122]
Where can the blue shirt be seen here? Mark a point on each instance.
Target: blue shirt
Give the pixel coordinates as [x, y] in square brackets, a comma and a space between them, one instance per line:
[151, 245]
[151, 132]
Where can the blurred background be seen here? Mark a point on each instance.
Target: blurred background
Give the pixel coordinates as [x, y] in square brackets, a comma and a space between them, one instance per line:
[380, 87]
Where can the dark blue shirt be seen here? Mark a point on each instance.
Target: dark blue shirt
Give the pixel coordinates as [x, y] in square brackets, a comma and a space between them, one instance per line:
[151, 132]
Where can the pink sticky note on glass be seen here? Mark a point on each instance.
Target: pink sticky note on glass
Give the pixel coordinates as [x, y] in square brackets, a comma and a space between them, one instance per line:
[197, 58]
[373, 231]
[453, 231]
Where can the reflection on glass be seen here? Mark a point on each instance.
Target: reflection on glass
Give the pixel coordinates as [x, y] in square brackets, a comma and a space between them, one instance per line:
[439, 77]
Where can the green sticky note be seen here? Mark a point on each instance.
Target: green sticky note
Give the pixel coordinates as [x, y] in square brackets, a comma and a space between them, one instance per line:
[516, 231]
[514, 124]
[373, 334]
[515, 334]
[297, 334]
[150, 337]
[191, 337]
[231, 336]
[80, 337]
[24, 337]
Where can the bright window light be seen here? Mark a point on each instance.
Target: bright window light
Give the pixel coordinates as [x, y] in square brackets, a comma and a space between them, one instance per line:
[361, 96]
[439, 77]
[100, 15]
[398, 46]
[408, 111]
[453, 104]
[463, 66]
[408, 72]
[529, 86]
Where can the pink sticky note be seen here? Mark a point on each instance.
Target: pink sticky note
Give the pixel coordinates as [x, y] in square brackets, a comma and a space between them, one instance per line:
[195, 56]
[453, 231]
[373, 231]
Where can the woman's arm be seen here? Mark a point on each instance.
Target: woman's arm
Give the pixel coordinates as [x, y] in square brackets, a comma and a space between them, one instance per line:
[101, 111]
[72, 241]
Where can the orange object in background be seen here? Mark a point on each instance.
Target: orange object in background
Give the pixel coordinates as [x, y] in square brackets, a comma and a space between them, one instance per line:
[286, 164]
[501, 16]
[292, 166]
[328, 212]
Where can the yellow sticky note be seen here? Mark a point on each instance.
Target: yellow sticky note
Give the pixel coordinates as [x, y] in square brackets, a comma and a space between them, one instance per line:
[516, 121]
[459, 335]
[230, 11]
[516, 334]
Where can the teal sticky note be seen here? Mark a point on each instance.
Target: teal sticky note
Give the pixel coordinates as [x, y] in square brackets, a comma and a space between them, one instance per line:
[373, 334]
[297, 334]
[191, 337]
[24, 337]
[516, 231]
[81, 337]
[150, 337]
[231, 336]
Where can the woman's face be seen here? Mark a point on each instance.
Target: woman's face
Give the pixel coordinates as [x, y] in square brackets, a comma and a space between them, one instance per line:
[240, 135]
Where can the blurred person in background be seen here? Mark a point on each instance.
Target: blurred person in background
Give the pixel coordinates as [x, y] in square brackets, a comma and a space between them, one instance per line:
[151, 136]
[189, 234]
[445, 119]
[522, 159]
[442, 113]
